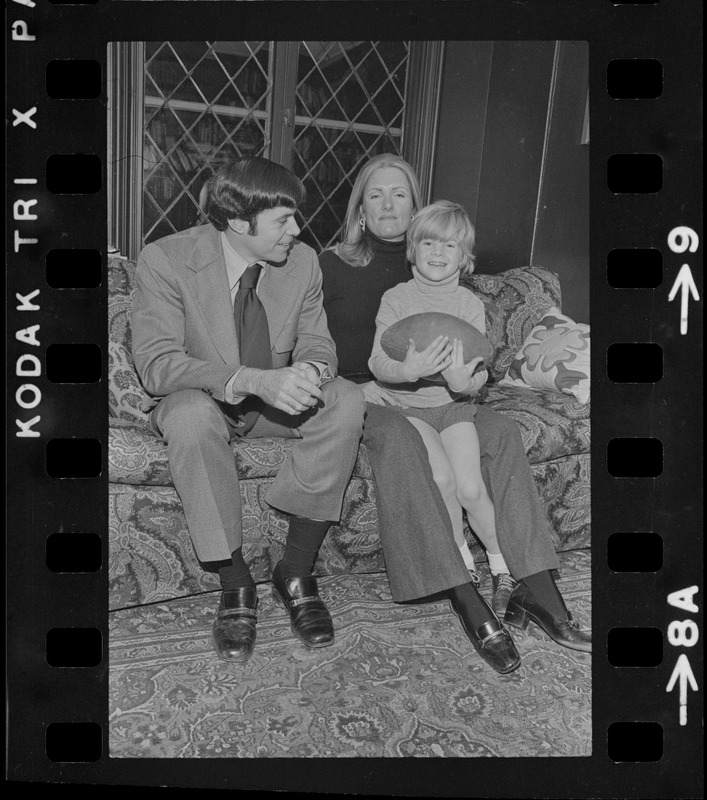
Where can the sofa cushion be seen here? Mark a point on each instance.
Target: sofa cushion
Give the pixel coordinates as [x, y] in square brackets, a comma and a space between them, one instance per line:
[555, 356]
[121, 286]
[552, 425]
[137, 455]
[127, 398]
[515, 302]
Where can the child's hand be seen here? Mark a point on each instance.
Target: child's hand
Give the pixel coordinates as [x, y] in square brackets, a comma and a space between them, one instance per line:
[430, 361]
[458, 374]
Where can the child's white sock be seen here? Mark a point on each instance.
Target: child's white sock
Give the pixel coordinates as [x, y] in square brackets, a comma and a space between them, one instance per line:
[497, 563]
[467, 556]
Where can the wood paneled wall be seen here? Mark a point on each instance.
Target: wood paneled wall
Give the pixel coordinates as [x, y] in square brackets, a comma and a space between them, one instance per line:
[509, 150]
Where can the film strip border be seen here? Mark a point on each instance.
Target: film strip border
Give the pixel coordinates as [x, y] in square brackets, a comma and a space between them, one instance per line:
[646, 315]
[56, 310]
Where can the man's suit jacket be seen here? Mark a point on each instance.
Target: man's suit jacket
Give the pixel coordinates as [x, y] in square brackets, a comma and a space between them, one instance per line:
[184, 336]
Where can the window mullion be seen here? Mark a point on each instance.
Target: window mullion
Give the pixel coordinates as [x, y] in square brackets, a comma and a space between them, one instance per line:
[126, 71]
[282, 104]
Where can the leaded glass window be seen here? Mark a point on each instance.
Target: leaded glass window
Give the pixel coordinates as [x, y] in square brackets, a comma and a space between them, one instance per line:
[349, 104]
[205, 103]
[179, 110]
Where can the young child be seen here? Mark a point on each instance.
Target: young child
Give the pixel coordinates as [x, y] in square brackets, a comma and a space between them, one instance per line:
[440, 248]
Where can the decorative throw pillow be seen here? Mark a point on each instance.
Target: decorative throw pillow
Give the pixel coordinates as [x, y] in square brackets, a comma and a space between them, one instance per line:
[515, 301]
[555, 355]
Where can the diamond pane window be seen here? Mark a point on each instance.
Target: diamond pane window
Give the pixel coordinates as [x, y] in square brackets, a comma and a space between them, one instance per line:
[179, 110]
[205, 103]
[319, 108]
[349, 103]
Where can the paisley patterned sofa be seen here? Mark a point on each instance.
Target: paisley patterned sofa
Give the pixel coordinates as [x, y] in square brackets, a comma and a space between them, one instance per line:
[151, 557]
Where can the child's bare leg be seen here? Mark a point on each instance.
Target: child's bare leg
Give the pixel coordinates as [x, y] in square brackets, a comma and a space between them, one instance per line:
[443, 475]
[461, 445]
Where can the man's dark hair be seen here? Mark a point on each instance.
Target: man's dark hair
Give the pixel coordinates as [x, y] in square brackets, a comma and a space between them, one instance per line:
[246, 187]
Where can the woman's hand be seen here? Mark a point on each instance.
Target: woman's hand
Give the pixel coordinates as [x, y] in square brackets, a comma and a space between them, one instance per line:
[458, 374]
[373, 393]
[433, 359]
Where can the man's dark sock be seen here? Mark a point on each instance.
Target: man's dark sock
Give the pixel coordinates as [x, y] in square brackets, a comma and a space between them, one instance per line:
[468, 599]
[235, 574]
[545, 590]
[304, 538]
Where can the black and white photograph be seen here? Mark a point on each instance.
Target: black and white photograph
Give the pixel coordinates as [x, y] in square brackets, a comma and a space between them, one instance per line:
[410, 577]
[317, 483]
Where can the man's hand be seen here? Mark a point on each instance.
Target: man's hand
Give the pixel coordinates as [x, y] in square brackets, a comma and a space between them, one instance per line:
[308, 371]
[288, 389]
[458, 374]
[422, 363]
[373, 393]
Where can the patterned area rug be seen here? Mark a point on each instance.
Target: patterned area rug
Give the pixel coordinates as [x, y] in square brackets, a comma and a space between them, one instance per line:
[400, 680]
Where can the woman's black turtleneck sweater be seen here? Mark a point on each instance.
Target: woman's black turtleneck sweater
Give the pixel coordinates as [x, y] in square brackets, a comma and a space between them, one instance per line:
[352, 297]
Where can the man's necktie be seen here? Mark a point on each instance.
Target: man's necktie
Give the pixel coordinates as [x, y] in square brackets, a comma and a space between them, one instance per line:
[253, 337]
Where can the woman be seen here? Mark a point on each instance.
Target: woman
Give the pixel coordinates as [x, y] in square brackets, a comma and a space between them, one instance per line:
[415, 527]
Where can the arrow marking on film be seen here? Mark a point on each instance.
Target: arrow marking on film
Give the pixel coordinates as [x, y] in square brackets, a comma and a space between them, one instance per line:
[683, 672]
[686, 284]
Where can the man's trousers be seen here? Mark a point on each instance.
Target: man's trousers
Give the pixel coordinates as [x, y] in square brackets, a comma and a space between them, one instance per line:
[311, 483]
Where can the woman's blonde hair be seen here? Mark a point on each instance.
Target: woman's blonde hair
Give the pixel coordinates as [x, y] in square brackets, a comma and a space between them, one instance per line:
[444, 221]
[354, 248]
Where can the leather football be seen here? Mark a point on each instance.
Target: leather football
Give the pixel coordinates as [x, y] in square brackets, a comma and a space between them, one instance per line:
[423, 329]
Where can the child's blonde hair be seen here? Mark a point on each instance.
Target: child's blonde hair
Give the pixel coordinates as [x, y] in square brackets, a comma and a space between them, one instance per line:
[444, 221]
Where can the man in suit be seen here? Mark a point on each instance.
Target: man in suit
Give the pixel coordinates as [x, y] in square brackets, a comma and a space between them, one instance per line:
[230, 335]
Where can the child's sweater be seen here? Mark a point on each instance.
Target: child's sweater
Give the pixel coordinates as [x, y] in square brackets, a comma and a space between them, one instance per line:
[416, 297]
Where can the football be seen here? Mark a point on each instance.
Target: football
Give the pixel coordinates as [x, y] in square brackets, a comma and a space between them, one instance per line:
[423, 329]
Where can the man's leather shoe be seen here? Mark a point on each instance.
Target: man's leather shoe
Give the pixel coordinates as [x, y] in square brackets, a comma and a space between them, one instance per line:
[233, 632]
[524, 607]
[310, 620]
[490, 640]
